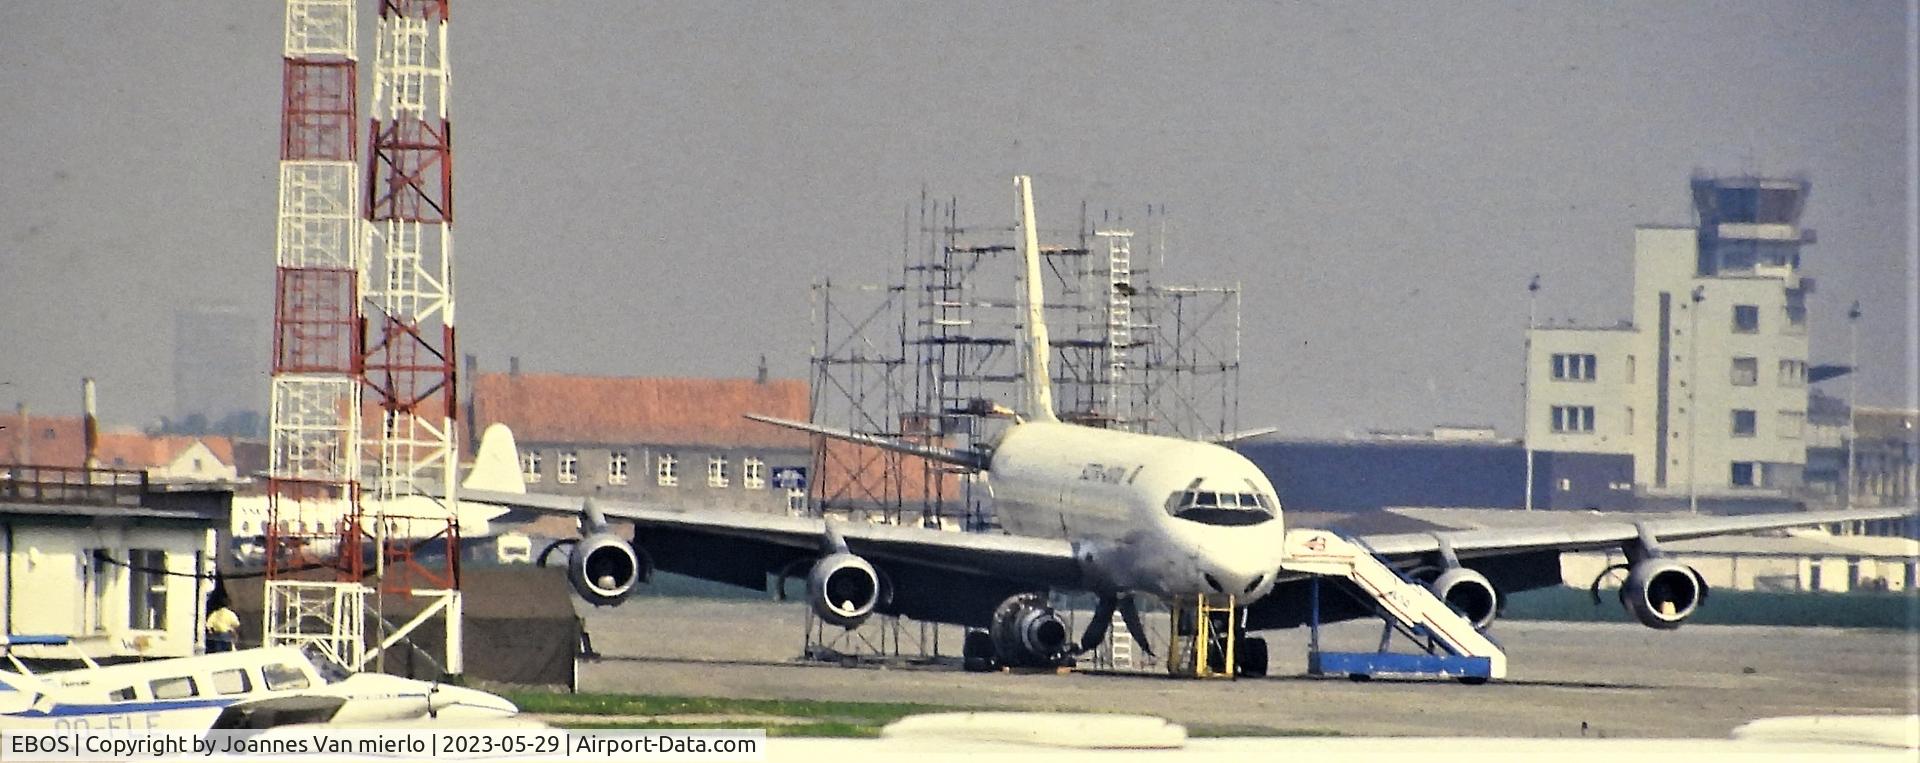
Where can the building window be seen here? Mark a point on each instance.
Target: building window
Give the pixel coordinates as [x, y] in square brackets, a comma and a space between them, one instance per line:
[753, 474]
[1793, 373]
[1573, 418]
[569, 472]
[617, 468]
[1630, 369]
[716, 471]
[1746, 372]
[1743, 423]
[1743, 474]
[1792, 424]
[1573, 367]
[669, 470]
[1746, 319]
[530, 466]
[96, 585]
[796, 501]
[1628, 423]
[146, 589]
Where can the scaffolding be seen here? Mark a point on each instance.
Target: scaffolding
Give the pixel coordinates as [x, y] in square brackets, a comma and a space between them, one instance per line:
[930, 357]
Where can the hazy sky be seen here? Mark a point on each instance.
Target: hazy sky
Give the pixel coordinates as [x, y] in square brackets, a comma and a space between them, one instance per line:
[647, 188]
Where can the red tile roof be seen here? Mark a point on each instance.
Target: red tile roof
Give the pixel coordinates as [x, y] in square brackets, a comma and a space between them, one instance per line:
[133, 450]
[620, 410]
[42, 440]
[61, 441]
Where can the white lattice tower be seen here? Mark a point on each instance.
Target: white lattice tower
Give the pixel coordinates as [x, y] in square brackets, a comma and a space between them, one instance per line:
[409, 310]
[313, 438]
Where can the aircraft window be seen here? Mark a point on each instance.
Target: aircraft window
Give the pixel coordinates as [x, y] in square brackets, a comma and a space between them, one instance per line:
[233, 681]
[178, 687]
[1228, 509]
[284, 676]
[124, 694]
[330, 672]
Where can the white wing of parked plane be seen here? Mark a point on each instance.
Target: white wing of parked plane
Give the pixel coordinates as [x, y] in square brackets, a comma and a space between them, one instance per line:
[934, 574]
[1602, 534]
[958, 577]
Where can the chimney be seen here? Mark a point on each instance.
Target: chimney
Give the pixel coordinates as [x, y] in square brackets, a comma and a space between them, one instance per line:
[761, 377]
[92, 424]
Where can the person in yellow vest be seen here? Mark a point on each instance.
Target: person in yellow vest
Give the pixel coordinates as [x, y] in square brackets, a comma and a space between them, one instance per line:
[223, 626]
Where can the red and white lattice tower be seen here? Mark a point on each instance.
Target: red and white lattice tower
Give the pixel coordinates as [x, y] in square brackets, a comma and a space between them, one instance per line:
[408, 319]
[313, 471]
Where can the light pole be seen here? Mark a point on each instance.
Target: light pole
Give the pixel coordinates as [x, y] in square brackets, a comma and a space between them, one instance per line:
[1693, 392]
[1853, 394]
[1526, 389]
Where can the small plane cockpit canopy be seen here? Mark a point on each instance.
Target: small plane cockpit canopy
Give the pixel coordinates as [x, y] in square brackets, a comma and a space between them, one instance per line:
[1216, 507]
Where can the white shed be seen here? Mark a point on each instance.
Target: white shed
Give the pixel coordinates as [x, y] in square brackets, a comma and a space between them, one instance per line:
[120, 578]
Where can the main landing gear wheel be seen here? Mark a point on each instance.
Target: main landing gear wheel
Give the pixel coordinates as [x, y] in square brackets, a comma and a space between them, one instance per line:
[977, 653]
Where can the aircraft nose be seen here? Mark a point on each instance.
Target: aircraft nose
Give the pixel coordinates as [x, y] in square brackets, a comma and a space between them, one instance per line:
[1237, 583]
[1246, 575]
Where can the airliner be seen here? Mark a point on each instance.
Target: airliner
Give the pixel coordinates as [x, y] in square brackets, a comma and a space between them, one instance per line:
[412, 517]
[244, 689]
[1112, 513]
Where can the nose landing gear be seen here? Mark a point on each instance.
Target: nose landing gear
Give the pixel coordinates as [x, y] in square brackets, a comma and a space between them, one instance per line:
[1208, 636]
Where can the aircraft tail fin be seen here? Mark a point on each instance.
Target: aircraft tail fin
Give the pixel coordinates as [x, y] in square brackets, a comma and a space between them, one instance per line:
[1037, 404]
[496, 466]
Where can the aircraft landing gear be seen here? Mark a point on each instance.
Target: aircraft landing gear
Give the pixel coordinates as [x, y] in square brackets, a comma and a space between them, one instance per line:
[977, 652]
[1252, 656]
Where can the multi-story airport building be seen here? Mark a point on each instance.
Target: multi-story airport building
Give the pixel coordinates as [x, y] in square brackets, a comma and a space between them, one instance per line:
[1704, 390]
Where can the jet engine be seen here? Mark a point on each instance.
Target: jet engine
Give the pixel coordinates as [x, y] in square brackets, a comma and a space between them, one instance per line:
[1027, 632]
[843, 589]
[1661, 593]
[1470, 592]
[603, 569]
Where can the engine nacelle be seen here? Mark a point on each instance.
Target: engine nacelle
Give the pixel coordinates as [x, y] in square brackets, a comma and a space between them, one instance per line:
[1470, 592]
[843, 589]
[1661, 593]
[1027, 632]
[604, 568]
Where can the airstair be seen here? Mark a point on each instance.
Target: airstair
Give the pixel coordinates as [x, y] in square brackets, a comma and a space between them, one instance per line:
[1454, 647]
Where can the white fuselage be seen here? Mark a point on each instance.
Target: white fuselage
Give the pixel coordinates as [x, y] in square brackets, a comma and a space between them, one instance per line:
[1114, 495]
[408, 517]
[190, 692]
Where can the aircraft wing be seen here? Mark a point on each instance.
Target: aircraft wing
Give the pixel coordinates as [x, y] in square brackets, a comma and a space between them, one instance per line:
[1524, 558]
[1582, 536]
[935, 575]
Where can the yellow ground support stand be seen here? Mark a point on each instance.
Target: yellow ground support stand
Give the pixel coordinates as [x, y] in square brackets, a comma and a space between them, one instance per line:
[1197, 642]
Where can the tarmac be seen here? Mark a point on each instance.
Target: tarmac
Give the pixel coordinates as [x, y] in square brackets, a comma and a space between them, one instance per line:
[1566, 680]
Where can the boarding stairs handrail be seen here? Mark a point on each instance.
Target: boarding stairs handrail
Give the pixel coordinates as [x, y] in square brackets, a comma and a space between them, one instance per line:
[1405, 601]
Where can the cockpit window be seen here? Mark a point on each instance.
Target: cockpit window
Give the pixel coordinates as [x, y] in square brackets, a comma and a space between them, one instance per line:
[1215, 508]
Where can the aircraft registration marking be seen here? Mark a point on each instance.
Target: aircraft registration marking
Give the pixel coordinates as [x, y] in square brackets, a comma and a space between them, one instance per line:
[1111, 474]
